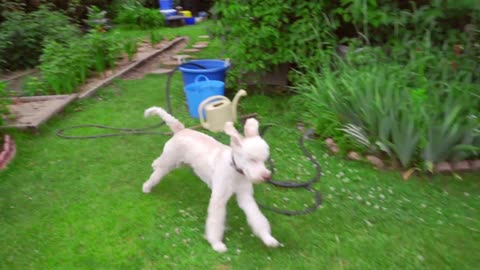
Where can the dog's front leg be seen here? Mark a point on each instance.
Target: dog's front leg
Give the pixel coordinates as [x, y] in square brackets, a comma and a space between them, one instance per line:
[217, 211]
[257, 221]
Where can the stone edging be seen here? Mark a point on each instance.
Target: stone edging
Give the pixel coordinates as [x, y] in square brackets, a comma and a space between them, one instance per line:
[8, 151]
[65, 100]
[441, 168]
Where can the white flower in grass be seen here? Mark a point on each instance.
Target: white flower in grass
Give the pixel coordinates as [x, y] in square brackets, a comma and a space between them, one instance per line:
[371, 196]
[359, 198]
[368, 223]
[466, 194]
[346, 180]
[368, 203]
[332, 188]
[421, 258]
[166, 257]
[167, 234]
[421, 219]
[376, 206]
[390, 191]
[381, 196]
[329, 196]
[439, 222]
[384, 208]
[423, 205]
[269, 258]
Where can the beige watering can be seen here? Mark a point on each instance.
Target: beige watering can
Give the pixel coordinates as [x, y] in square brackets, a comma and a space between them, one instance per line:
[218, 111]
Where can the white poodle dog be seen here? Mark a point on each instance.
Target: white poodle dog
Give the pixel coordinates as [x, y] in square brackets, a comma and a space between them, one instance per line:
[227, 170]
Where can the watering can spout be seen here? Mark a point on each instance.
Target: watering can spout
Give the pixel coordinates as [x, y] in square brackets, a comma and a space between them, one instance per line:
[239, 94]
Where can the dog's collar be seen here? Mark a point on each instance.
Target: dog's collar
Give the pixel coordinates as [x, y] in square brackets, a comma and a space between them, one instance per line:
[240, 171]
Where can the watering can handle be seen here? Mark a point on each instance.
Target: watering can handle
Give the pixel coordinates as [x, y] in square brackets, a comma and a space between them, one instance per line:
[201, 107]
[197, 79]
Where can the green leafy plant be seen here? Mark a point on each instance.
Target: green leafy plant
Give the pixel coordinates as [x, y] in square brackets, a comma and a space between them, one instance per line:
[58, 68]
[413, 113]
[155, 38]
[104, 49]
[65, 66]
[96, 19]
[130, 46]
[33, 86]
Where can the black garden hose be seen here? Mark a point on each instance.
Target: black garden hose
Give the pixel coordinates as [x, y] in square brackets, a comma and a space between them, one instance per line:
[279, 183]
[295, 184]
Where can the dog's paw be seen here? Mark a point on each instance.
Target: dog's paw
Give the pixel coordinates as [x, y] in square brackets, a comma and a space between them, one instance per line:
[270, 241]
[146, 188]
[219, 247]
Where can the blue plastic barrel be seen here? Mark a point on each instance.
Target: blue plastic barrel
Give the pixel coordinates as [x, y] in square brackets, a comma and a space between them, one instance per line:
[201, 89]
[211, 68]
[165, 4]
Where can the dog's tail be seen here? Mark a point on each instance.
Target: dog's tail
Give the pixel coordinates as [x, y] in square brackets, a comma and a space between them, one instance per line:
[171, 121]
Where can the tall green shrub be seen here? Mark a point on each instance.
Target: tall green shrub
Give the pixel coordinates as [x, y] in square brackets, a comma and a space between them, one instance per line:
[260, 34]
[23, 35]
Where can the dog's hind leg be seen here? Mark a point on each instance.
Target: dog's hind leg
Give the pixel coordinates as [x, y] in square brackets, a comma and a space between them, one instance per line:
[161, 166]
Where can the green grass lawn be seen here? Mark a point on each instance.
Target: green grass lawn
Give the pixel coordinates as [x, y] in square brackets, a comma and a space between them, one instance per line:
[77, 204]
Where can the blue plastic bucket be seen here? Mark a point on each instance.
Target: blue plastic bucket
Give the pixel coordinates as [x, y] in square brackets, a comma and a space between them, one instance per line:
[200, 90]
[211, 68]
[190, 21]
[165, 4]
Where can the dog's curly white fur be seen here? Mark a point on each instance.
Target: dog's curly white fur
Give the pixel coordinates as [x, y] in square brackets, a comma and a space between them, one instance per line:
[227, 170]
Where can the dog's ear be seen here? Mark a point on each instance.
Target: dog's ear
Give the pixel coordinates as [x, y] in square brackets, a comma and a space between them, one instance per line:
[235, 137]
[251, 127]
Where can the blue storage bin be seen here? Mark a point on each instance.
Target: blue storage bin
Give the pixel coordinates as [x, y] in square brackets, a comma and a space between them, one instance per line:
[211, 68]
[201, 89]
[165, 4]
